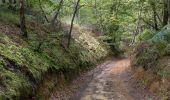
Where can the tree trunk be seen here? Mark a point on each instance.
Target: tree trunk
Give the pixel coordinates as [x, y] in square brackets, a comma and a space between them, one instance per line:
[3, 1]
[10, 4]
[56, 15]
[22, 19]
[169, 8]
[15, 2]
[72, 22]
[78, 16]
[165, 13]
[155, 16]
[10, 1]
[40, 5]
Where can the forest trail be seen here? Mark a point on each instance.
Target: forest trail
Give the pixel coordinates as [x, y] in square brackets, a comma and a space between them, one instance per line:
[114, 82]
[111, 80]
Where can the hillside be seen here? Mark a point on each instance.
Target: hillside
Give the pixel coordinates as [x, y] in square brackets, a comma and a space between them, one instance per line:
[151, 63]
[25, 63]
[84, 50]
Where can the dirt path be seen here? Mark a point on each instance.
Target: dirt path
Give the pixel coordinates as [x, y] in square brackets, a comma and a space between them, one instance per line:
[111, 80]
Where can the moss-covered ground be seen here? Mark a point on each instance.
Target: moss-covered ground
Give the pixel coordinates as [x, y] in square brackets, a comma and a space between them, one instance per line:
[25, 63]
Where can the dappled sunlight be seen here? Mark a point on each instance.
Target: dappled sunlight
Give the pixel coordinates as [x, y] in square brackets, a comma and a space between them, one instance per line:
[102, 49]
[120, 66]
[95, 49]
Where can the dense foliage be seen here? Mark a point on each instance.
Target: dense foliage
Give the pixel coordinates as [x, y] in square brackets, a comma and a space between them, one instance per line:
[38, 37]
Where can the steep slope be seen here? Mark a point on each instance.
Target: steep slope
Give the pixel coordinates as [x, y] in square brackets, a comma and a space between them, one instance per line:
[151, 62]
[26, 63]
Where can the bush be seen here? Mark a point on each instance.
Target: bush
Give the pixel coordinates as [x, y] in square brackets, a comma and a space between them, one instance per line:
[144, 36]
[145, 56]
[156, 45]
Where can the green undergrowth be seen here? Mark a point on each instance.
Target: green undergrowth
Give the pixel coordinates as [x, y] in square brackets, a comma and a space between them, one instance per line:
[20, 69]
[152, 54]
[150, 50]
[24, 63]
[8, 15]
[30, 65]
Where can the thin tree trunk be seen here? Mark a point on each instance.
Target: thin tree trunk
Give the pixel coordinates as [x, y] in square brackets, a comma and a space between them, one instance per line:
[165, 14]
[137, 31]
[10, 1]
[43, 11]
[169, 9]
[72, 22]
[15, 2]
[78, 16]
[155, 16]
[22, 19]
[159, 18]
[10, 4]
[3, 1]
[56, 15]
[155, 22]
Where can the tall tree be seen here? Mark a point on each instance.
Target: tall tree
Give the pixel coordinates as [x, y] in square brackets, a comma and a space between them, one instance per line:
[72, 21]
[56, 14]
[165, 12]
[40, 5]
[15, 1]
[22, 19]
[154, 14]
[3, 1]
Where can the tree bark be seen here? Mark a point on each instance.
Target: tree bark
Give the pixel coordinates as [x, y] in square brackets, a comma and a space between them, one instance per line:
[43, 11]
[56, 15]
[15, 2]
[165, 13]
[155, 16]
[10, 4]
[72, 22]
[3, 1]
[10, 1]
[22, 19]
[159, 18]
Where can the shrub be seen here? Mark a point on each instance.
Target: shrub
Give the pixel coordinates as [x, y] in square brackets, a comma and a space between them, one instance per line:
[145, 56]
[144, 36]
